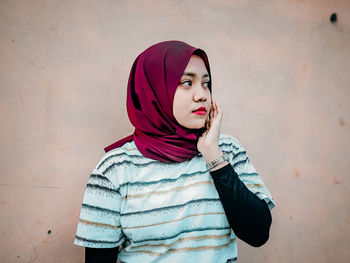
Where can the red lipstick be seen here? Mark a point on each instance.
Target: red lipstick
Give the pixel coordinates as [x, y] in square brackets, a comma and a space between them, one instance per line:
[200, 111]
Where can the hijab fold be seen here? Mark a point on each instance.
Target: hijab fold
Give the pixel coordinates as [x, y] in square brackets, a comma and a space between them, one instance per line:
[153, 80]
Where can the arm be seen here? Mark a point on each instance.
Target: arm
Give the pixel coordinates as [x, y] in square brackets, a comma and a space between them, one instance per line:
[248, 216]
[101, 255]
[99, 221]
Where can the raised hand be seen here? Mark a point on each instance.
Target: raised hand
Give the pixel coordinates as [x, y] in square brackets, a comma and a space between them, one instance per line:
[208, 143]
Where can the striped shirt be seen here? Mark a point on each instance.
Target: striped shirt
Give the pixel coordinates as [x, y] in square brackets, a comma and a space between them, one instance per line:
[162, 212]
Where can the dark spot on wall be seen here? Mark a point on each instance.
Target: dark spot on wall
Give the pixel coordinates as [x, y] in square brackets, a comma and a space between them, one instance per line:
[335, 181]
[13, 40]
[18, 256]
[341, 122]
[296, 174]
[333, 18]
[290, 218]
[49, 232]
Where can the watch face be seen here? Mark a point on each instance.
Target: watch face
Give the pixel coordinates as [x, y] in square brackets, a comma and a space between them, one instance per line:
[218, 161]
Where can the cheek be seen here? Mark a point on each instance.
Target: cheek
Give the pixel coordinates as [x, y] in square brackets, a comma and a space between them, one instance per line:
[209, 97]
[181, 104]
[178, 102]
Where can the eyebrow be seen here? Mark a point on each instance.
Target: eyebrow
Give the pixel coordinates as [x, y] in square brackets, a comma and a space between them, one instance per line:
[193, 75]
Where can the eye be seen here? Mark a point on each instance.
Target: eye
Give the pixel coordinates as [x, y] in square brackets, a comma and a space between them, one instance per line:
[186, 83]
[206, 84]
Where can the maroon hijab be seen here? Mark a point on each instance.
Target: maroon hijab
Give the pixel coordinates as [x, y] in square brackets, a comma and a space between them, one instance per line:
[153, 80]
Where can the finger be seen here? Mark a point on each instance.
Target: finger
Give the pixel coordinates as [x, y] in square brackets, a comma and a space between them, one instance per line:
[211, 112]
[219, 110]
[215, 109]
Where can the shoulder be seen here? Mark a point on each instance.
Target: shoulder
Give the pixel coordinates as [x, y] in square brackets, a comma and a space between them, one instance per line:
[126, 152]
[229, 142]
[116, 163]
[233, 148]
[237, 154]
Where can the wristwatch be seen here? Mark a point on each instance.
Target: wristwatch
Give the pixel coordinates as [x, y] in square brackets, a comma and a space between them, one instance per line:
[217, 161]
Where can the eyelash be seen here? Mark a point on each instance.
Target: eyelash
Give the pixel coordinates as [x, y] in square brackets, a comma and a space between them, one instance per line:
[206, 84]
[186, 81]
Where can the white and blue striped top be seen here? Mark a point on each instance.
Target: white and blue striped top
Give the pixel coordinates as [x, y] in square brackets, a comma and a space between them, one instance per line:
[162, 212]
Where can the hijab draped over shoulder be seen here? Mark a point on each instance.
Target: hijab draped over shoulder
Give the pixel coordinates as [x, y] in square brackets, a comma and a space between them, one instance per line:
[153, 80]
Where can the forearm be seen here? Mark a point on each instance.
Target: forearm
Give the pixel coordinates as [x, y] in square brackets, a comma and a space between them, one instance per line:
[248, 216]
[101, 255]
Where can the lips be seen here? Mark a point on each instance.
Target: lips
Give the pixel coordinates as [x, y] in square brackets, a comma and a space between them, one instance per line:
[200, 111]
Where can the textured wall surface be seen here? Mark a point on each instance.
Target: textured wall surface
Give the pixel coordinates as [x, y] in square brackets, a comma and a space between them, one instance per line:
[280, 70]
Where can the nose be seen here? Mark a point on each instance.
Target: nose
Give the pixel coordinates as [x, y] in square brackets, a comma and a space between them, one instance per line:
[200, 94]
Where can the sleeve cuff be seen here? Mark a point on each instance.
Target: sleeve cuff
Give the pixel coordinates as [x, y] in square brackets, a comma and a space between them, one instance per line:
[223, 171]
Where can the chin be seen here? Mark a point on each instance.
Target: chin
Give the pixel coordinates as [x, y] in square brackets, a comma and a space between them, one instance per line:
[195, 126]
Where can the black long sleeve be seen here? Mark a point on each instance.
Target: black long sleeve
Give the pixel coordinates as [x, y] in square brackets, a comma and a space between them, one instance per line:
[101, 255]
[248, 216]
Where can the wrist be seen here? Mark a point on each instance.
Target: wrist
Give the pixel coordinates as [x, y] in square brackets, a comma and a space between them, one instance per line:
[218, 163]
[221, 165]
[212, 154]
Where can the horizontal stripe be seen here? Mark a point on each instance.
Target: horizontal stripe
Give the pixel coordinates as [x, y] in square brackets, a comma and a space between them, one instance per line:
[248, 174]
[184, 239]
[140, 157]
[174, 250]
[254, 185]
[240, 162]
[167, 180]
[172, 221]
[239, 153]
[179, 188]
[97, 224]
[183, 232]
[109, 168]
[100, 177]
[96, 241]
[116, 155]
[228, 144]
[227, 151]
[202, 247]
[203, 200]
[99, 209]
[102, 188]
[128, 150]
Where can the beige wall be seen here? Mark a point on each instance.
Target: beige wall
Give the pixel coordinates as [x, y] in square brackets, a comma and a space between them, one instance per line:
[280, 70]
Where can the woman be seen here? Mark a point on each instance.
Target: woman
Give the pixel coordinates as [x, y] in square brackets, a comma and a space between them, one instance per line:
[176, 190]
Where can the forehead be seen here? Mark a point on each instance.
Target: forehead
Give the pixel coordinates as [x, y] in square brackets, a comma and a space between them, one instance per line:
[196, 64]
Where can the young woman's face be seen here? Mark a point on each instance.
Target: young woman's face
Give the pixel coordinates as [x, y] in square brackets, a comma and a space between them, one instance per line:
[192, 100]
